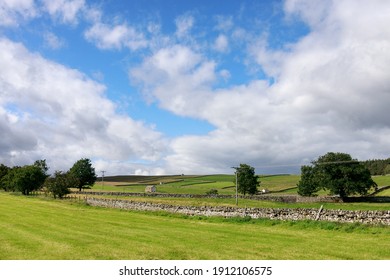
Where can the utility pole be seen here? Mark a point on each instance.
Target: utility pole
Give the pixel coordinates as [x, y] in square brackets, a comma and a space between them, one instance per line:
[103, 171]
[236, 168]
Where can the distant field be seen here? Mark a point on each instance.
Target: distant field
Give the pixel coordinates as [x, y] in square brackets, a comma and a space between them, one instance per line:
[193, 184]
[32, 228]
[382, 180]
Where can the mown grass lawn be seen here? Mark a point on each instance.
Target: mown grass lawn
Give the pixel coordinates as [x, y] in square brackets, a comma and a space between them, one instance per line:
[36, 228]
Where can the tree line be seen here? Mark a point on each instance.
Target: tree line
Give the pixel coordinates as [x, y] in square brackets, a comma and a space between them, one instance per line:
[378, 166]
[337, 173]
[34, 177]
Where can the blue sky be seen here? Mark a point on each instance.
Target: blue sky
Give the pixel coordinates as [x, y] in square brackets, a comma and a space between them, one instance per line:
[170, 87]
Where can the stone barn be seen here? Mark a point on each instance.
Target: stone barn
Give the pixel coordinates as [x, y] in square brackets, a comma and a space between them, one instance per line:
[150, 189]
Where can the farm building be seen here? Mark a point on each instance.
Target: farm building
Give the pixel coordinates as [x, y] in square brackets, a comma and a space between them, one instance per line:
[150, 189]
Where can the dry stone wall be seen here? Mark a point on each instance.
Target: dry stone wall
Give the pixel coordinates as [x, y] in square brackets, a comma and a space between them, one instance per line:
[277, 198]
[366, 217]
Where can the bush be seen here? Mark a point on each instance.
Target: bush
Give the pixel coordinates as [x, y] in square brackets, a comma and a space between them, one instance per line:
[212, 192]
[59, 185]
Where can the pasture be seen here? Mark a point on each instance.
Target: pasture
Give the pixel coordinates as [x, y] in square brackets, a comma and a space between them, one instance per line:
[40, 228]
[191, 184]
[224, 184]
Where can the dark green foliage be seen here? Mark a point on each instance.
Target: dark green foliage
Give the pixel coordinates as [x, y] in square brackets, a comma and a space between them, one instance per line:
[308, 185]
[212, 192]
[42, 165]
[24, 179]
[59, 184]
[387, 170]
[7, 181]
[3, 172]
[84, 172]
[247, 179]
[338, 173]
[378, 166]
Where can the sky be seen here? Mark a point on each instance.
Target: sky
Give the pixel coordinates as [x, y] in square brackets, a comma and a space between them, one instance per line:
[193, 87]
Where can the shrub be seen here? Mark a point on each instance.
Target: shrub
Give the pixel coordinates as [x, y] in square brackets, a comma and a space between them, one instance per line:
[212, 192]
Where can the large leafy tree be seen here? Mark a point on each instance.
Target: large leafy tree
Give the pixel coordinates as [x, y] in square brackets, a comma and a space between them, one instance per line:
[83, 171]
[25, 179]
[338, 173]
[247, 179]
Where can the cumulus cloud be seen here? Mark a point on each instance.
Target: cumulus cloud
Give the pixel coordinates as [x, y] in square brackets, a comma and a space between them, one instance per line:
[184, 25]
[66, 11]
[52, 41]
[330, 93]
[48, 110]
[221, 44]
[177, 77]
[12, 11]
[115, 36]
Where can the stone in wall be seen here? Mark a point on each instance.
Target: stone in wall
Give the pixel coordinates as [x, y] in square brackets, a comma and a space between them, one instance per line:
[367, 217]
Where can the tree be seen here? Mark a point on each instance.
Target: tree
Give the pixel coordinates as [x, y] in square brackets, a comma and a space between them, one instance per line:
[386, 170]
[42, 165]
[247, 179]
[25, 179]
[3, 172]
[7, 181]
[59, 184]
[308, 185]
[377, 166]
[83, 171]
[338, 173]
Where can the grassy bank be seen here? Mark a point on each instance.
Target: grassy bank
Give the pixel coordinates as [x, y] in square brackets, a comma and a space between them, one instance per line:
[36, 228]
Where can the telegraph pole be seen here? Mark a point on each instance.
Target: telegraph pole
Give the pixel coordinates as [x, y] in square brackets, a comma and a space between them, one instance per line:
[236, 168]
[103, 171]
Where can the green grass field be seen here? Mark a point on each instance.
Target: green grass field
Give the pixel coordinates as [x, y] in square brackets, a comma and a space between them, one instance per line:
[191, 184]
[37, 228]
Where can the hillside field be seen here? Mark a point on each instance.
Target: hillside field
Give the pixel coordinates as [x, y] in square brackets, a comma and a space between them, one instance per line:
[36, 228]
[192, 184]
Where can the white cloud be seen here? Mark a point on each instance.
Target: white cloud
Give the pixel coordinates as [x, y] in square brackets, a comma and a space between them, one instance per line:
[225, 74]
[178, 77]
[331, 93]
[48, 110]
[221, 44]
[116, 36]
[184, 25]
[52, 41]
[12, 11]
[66, 11]
[313, 12]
